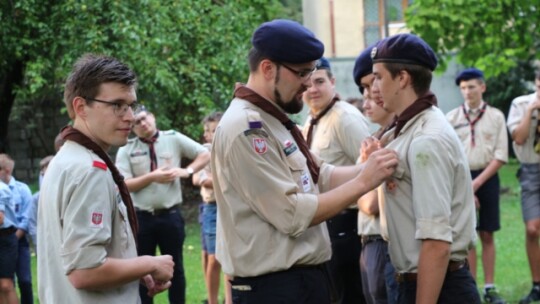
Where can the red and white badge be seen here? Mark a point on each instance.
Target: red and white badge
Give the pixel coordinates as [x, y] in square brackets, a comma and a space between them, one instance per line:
[96, 221]
[259, 145]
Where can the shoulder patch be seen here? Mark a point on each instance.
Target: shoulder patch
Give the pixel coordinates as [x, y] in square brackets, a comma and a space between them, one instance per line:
[100, 165]
[259, 145]
[260, 132]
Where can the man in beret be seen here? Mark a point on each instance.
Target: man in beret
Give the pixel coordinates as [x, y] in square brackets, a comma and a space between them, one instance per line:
[428, 203]
[482, 131]
[378, 282]
[334, 131]
[271, 235]
[524, 125]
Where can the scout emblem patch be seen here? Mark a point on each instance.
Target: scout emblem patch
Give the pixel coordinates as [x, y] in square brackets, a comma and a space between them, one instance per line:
[96, 220]
[101, 165]
[259, 145]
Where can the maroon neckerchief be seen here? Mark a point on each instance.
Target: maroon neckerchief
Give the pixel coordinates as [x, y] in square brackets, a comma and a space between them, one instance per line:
[70, 133]
[472, 123]
[316, 119]
[243, 92]
[422, 103]
[150, 142]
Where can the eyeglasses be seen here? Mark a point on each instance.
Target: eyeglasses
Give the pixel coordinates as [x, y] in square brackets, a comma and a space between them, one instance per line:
[119, 108]
[303, 74]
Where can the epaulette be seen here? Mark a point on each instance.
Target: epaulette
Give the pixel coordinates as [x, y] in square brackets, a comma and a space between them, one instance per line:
[254, 123]
[169, 132]
[132, 140]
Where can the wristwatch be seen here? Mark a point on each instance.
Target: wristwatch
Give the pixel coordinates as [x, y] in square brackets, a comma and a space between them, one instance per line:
[189, 170]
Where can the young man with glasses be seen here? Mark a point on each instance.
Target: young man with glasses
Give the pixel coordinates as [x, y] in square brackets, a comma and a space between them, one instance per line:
[150, 163]
[86, 220]
[271, 235]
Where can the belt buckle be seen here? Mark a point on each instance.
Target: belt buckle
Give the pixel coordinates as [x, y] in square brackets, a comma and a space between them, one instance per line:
[400, 277]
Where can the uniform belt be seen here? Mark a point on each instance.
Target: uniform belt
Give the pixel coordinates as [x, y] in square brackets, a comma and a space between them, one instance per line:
[7, 231]
[402, 277]
[157, 212]
[371, 238]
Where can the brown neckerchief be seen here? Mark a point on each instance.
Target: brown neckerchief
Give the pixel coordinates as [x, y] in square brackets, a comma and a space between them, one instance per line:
[243, 92]
[150, 142]
[422, 103]
[70, 133]
[316, 119]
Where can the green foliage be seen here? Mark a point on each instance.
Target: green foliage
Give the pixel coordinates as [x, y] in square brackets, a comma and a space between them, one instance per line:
[187, 53]
[490, 35]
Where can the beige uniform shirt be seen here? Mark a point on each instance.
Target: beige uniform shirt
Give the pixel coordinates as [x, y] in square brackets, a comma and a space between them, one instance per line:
[265, 195]
[133, 160]
[524, 153]
[82, 221]
[338, 134]
[430, 195]
[207, 194]
[491, 137]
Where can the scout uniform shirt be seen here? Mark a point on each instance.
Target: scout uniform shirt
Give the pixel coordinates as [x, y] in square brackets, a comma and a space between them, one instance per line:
[525, 153]
[7, 206]
[82, 221]
[133, 160]
[265, 195]
[338, 134]
[490, 136]
[430, 194]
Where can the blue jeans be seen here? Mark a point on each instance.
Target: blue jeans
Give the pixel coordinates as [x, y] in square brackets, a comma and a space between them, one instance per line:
[24, 272]
[209, 227]
[167, 232]
[458, 287]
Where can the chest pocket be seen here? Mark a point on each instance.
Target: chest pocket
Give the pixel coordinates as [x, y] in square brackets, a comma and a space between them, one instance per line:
[122, 222]
[300, 174]
[140, 164]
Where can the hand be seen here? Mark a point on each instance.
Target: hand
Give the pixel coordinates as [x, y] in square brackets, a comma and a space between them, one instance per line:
[19, 233]
[476, 202]
[476, 185]
[164, 267]
[154, 287]
[182, 173]
[164, 175]
[368, 146]
[380, 165]
[534, 105]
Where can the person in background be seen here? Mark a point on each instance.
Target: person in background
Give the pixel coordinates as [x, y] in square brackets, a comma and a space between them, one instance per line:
[33, 209]
[150, 164]
[9, 247]
[523, 124]
[86, 219]
[482, 131]
[357, 102]
[430, 232]
[378, 281]
[204, 179]
[271, 232]
[22, 197]
[334, 131]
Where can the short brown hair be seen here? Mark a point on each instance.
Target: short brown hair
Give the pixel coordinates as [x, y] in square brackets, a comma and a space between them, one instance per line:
[89, 72]
[421, 76]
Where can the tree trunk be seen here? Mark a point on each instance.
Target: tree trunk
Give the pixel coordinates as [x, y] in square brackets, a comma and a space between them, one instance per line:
[12, 78]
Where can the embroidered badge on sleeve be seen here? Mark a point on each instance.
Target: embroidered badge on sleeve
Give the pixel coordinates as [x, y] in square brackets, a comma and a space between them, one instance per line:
[101, 165]
[259, 145]
[96, 219]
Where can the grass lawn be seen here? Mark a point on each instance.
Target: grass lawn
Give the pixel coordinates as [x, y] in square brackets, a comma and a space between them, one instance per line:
[512, 271]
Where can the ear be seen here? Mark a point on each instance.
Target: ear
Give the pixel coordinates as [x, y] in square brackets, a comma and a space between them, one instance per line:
[404, 79]
[79, 107]
[268, 69]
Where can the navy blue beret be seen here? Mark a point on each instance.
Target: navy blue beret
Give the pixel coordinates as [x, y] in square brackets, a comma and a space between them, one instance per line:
[363, 65]
[468, 74]
[287, 41]
[405, 48]
[323, 64]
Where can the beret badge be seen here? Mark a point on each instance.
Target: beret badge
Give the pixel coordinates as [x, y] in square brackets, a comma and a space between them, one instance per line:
[373, 52]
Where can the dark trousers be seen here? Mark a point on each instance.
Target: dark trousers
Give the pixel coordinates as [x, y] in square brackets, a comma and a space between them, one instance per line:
[459, 287]
[166, 231]
[345, 262]
[24, 272]
[299, 285]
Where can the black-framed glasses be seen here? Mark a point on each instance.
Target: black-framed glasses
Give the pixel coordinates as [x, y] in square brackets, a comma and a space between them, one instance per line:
[303, 74]
[119, 108]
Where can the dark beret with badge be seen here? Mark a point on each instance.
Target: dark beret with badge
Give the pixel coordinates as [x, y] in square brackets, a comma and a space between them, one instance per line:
[468, 74]
[406, 49]
[323, 64]
[363, 66]
[288, 41]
